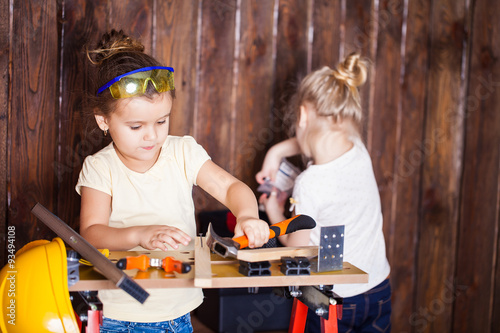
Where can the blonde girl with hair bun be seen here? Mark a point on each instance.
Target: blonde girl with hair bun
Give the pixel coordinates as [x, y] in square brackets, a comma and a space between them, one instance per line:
[338, 187]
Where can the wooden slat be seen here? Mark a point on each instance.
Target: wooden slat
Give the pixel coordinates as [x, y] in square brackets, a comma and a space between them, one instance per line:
[385, 130]
[33, 122]
[291, 57]
[478, 229]
[328, 30]
[4, 113]
[442, 167]
[254, 86]
[213, 122]
[176, 46]
[84, 23]
[407, 170]
[135, 17]
[256, 255]
[360, 30]
[203, 266]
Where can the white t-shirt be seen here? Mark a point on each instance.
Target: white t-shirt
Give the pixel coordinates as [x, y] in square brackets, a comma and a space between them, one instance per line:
[344, 192]
[161, 195]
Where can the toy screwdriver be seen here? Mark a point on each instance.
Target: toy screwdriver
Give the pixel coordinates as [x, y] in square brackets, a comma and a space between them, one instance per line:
[143, 262]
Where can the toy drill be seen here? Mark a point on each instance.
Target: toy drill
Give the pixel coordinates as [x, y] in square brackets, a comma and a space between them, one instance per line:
[143, 262]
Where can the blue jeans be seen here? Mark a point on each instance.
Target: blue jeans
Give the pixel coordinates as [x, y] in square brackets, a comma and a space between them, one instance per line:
[367, 312]
[178, 325]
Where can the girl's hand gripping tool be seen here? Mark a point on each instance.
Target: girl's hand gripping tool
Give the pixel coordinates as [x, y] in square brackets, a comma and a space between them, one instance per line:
[228, 247]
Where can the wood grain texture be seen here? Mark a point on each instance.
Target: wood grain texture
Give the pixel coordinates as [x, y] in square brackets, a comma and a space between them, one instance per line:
[83, 25]
[360, 31]
[176, 34]
[291, 58]
[213, 120]
[442, 167]
[328, 27]
[135, 17]
[4, 114]
[410, 156]
[384, 121]
[253, 133]
[478, 227]
[33, 122]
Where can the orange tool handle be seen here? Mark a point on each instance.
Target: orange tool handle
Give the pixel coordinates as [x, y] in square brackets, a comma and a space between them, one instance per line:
[140, 262]
[297, 222]
[169, 264]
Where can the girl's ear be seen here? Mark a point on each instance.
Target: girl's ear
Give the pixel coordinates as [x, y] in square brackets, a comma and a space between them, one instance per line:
[101, 122]
[303, 116]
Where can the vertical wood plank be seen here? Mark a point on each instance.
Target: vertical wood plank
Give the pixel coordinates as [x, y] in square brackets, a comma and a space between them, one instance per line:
[387, 109]
[33, 123]
[328, 29]
[442, 168]
[213, 117]
[84, 22]
[360, 34]
[253, 99]
[176, 37]
[4, 113]
[291, 57]
[135, 17]
[407, 171]
[478, 228]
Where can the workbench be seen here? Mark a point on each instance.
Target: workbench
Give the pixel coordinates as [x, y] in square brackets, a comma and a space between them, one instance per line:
[212, 271]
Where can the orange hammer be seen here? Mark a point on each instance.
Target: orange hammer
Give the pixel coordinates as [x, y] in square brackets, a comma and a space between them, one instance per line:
[143, 262]
[227, 247]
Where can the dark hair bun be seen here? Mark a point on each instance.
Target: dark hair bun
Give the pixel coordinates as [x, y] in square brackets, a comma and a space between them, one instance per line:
[112, 43]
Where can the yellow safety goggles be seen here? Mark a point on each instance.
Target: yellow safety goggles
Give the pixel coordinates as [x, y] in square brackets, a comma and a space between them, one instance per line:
[136, 82]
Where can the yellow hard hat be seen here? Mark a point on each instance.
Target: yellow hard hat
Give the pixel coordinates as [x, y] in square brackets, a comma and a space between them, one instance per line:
[34, 290]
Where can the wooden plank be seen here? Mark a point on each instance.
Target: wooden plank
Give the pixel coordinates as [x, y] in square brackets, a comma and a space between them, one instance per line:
[328, 32]
[135, 17]
[408, 164]
[176, 34]
[33, 122]
[479, 219]
[84, 23]
[255, 255]
[203, 268]
[442, 167]
[4, 114]
[252, 99]
[291, 58]
[213, 121]
[360, 33]
[384, 123]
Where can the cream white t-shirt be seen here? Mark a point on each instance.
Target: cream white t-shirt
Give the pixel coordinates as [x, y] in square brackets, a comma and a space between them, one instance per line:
[161, 195]
[344, 192]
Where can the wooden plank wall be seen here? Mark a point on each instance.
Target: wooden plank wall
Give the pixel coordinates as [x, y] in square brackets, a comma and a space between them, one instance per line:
[431, 106]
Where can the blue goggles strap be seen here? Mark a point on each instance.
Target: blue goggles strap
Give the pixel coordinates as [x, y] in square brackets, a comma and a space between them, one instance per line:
[118, 78]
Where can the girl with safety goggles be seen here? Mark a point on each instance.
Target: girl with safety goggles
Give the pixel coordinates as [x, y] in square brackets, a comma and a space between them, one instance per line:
[136, 193]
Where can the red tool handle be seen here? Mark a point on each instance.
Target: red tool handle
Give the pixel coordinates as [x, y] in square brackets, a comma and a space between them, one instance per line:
[297, 222]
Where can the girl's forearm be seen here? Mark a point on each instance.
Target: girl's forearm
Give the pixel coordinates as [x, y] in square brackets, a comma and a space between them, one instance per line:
[286, 148]
[115, 239]
[241, 201]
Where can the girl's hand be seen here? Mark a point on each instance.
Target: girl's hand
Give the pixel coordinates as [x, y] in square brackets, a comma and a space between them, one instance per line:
[270, 167]
[257, 231]
[274, 205]
[159, 236]
[274, 155]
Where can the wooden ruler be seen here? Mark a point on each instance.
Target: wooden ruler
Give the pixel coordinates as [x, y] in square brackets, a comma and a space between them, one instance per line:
[87, 251]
